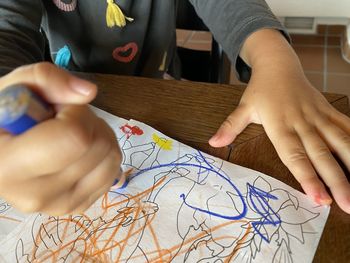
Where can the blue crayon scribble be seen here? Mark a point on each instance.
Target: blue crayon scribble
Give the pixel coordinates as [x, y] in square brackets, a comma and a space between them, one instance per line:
[210, 169]
[260, 202]
[258, 198]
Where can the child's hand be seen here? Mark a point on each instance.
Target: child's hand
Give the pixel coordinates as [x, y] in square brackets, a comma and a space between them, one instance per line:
[63, 164]
[303, 127]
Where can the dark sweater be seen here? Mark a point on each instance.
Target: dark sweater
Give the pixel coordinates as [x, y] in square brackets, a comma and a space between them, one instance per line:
[142, 47]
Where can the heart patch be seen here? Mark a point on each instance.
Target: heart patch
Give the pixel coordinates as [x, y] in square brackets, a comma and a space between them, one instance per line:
[67, 7]
[126, 53]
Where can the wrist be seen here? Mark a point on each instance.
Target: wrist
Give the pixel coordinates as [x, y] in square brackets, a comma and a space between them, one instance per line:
[267, 50]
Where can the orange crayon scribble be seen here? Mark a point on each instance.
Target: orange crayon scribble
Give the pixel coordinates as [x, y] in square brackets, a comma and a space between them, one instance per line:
[107, 205]
[170, 252]
[124, 229]
[190, 240]
[128, 172]
[95, 247]
[129, 234]
[45, 228]
[156, 242]
[10, 219]
[239, 244]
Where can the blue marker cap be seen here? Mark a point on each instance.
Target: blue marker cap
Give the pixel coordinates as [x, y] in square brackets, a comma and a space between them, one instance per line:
[21, 109]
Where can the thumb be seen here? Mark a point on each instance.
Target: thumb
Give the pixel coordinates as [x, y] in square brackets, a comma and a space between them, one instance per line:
[55, 85]
[234, 124]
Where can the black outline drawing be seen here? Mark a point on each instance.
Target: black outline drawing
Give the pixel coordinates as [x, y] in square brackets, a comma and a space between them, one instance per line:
[188, 210]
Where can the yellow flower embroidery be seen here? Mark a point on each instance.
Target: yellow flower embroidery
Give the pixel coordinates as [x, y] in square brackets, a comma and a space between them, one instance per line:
[163, 143]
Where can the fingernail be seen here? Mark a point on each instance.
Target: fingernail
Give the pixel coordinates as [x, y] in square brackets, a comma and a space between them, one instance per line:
[122, 182]
[81, 86]
[119, 184]
[323, 198]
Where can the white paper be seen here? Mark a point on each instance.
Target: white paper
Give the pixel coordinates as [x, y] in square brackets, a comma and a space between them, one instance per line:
[180, 205]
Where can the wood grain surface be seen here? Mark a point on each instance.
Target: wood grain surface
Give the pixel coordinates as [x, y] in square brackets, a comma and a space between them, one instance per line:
[191, 113]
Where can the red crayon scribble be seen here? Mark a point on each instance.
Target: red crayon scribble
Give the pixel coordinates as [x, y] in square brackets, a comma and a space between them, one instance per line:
[131, 130]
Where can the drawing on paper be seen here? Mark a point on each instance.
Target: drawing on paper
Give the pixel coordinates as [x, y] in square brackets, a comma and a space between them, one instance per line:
[180, 206]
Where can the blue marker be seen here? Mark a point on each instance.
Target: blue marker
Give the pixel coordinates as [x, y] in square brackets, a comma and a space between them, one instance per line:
[21, 109]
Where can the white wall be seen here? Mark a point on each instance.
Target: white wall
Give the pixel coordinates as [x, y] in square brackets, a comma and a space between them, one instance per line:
[310, 8]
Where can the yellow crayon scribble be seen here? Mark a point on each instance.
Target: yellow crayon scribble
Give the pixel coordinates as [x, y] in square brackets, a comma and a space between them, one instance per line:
[163, 143]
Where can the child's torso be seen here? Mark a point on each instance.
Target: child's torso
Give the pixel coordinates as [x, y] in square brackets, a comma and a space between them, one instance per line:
[142, 47]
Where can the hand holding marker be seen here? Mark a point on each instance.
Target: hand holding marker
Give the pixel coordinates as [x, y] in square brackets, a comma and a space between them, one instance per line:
[21, 109]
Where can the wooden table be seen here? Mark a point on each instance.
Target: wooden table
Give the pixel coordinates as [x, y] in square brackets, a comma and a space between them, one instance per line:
[192, 112]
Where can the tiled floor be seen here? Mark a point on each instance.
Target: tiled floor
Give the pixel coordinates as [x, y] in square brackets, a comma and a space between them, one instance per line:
[319, 54]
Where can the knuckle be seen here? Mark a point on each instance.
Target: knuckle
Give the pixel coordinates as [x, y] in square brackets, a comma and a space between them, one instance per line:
[79, 138]
[323, 120]
[308, 131]
[42, 67]
[20, 69]
[41, 71]
[305, 178]
[31, 205]
[228, 123]
[345, 139]
[295, 116]
[321, 153]
[296, 156]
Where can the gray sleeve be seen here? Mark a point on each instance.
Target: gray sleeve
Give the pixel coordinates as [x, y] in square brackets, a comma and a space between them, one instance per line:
[20, 39]
[232, 21]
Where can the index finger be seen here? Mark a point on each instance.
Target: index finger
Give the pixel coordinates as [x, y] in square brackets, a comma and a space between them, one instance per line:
[52, 83]
[293, 154]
